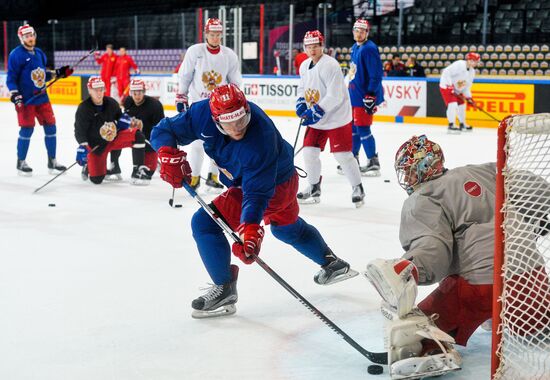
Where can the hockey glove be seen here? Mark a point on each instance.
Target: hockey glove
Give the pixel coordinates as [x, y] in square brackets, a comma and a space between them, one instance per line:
[313, 115]
[252, 236]
[182, 103]
[470, 101]
[124, 122]
[82, 154]
[174, 167]
[136, 123]
[301, 106]
[17, 99]
[64, 71]
[369, 101]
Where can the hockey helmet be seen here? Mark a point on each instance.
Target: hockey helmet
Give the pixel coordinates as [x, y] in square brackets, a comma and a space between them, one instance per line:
[418, 160]
[227, 105]
[24, 30]
[361, 23]
[95, 82]
[137, 85]
[473, 56]
[213, 25]
[314, 37]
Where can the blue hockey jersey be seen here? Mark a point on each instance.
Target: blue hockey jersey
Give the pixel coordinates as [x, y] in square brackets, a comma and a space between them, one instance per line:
[365, 74]
[27, 74]
[258, 162]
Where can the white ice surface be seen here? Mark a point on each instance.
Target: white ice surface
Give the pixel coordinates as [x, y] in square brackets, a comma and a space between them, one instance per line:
[100, 286]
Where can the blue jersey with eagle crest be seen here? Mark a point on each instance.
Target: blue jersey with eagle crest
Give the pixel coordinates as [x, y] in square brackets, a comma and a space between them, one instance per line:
[27, 74]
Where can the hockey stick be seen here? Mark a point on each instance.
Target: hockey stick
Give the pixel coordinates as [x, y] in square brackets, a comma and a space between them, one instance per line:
[43, 91]
[171, 200]
[473, 104]
[63, 172]
[297, 135]
[375, 357]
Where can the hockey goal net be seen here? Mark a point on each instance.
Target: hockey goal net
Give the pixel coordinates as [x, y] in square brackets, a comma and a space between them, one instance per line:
[521, 308]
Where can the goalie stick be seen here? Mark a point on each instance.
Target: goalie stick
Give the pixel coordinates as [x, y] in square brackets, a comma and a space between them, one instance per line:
[375, 357]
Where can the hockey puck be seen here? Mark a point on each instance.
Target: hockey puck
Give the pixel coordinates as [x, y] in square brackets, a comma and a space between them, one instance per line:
[387, 180]
[51, 205]
[375, 369]
[178, 206]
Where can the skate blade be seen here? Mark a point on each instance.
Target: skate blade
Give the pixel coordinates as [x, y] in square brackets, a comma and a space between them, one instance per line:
[24, 174]
[113, 178]
[56, 171]
[371, 173]
[140, 182]
[359, 204]
[309, 201]
[342, 277]
[453, 132]
[222, 311]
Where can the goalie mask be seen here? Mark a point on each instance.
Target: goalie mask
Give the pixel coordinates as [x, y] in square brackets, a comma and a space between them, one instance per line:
[418, 160]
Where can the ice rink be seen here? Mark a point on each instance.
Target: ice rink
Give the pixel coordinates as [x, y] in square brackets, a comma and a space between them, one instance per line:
[100, 286]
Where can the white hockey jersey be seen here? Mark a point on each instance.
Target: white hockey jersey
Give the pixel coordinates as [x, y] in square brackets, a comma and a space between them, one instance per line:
[202, 71]
[324, 84]
[459, 76]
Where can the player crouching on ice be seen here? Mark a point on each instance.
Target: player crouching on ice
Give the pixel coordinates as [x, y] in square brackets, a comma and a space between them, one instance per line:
[447, 231]
[257, 166]
[100, 127]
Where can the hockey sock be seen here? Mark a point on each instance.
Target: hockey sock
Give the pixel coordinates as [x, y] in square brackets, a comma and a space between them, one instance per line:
[356, 141]
[312, 163]
[462, 113]
[23, 142]
[50, 139]
[213, 168]
[304, 238]
[195, 156]
[350, 167]
[138, 149]
[367, 140]
[115, 155]
[452, 109]
[213, 247]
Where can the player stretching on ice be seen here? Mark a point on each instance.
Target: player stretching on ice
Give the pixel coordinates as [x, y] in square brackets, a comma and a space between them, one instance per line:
[324, 106]
[99, 128]
[447, 231]
[257, 167]
[27, 77]
[366, 92]
[455, 86]
[205, 67]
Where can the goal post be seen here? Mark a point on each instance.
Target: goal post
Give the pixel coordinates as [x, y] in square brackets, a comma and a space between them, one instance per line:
[521, 288]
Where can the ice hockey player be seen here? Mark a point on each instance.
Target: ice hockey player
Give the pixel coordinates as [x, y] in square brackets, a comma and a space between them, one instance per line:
[26, 81]
[324, 106]
[123, 64]
[455, 86]
[145, 112]
[205, 66]
[107, 61]
[257, 167]
[100, 127]
[366, 93]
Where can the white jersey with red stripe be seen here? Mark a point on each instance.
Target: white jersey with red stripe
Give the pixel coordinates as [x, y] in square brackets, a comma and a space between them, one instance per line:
[202, 71]
[323, 84]
[459, 76]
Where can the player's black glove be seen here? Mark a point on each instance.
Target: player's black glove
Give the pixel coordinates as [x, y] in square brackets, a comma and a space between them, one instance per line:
[369, 101]
[16, 99]
[63, 71]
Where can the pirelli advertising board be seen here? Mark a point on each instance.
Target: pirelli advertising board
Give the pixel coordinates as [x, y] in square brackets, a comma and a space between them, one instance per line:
[66, 91]
[501, 100]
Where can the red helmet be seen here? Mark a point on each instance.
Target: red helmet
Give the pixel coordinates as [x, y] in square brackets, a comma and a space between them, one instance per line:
[361, 23]
[473, 56]
[418, 160]
[314, 37]
[95, 82]
[213, 25]
[228, 103]
[25, 29]
[137, 85]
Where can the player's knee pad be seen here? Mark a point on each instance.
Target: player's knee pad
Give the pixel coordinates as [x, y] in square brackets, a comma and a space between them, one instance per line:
[97, 179]
[344, 158]
[364, 132]
[50, 130]
[202, 223]
[311, 153]
[25, 133]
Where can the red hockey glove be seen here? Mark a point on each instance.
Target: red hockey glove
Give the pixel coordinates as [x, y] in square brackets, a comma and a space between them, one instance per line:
[252, 236]
[174, 167]
[470, 100]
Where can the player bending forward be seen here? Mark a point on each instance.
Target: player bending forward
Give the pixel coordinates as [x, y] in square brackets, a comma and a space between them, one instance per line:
[455, 86]
[205, 66]
[324, 106]
[257, 167]
[447, 231]
[100, 127]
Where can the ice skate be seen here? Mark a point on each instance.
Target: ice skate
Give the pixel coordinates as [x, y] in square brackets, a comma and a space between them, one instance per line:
[23, 169]
[452, 130]
[212, 182]
[372, 169]
[335, 271]
[113, 172]
[84, 173]
[219, 300]
[140, 176]
[54, 167]
[195, 182]
[464, 127]
[311, 195]
[358, 195]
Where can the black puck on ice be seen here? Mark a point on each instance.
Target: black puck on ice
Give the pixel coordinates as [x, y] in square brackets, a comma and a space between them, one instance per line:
[178, 206]
[387, 180]
[375, 369]
[51, 205]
